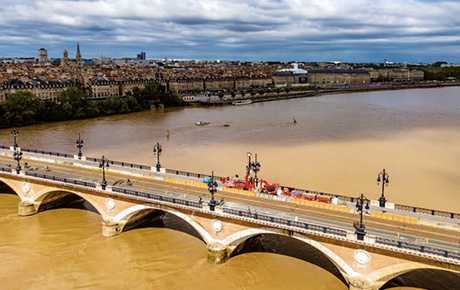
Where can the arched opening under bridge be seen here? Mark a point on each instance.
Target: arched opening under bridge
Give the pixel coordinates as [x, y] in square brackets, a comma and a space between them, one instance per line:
[288, 246]
[57, 199]
[6, 189]
[145, 217]
[430, 279]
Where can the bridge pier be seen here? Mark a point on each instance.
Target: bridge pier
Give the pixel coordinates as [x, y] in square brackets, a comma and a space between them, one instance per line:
[111, 229]
[26, 208]
[217, 254]
[360, 283]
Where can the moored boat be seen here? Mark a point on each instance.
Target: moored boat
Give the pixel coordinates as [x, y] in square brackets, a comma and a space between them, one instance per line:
[242, 102]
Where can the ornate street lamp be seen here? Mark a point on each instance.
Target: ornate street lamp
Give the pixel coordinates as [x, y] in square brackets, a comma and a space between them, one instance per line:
[212, 187]
[360, 201]
[14, 133]
[79, 146]
[157, 151]
[383, 177]
[17, 156]
[104, 164]
[256, 168]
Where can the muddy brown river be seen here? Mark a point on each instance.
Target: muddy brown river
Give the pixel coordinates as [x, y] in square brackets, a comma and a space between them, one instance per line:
[339, 145]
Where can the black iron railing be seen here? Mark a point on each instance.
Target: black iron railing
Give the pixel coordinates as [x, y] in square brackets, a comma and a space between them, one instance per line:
[200, 176]
[252, 215]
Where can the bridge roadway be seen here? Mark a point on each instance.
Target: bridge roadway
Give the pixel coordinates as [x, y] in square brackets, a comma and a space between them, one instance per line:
[439, 237]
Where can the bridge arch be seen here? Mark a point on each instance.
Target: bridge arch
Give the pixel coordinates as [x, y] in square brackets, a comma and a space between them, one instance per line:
[124, 217]
[43, 194]
[14, 187]
[415, 275]
[330, 261]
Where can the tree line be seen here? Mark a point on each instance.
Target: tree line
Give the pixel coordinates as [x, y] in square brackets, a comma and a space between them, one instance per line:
[434, 73]
[24, 108]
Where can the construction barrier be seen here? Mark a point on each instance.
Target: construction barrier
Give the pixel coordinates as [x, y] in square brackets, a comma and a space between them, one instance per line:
[394, 217]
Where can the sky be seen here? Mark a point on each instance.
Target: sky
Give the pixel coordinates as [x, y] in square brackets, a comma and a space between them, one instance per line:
[279, 30]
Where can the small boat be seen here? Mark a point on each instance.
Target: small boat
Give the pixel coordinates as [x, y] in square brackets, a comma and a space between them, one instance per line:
[202, 122]
[243, 102]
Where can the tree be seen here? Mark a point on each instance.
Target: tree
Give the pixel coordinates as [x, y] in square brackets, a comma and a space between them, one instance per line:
[52, 112]
[221, 95]
[243, 93]
[253, 93]
[114, 105]
[132, 103]
[3, 110]
[73, 103]
[287, 89]
[22, 108]
[233, 94]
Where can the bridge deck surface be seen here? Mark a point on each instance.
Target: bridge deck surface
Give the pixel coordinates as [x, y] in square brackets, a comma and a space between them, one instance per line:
[447, 238]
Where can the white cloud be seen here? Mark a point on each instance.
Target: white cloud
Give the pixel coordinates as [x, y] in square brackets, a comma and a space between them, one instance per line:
[238, 23]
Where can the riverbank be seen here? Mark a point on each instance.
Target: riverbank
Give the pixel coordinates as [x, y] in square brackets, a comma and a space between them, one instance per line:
[272, 96]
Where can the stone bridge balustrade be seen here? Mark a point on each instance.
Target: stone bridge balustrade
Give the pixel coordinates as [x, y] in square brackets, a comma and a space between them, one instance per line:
[363, 265]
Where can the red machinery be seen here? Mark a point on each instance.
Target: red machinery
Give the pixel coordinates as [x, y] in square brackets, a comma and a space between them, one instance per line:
[248, 182]
[268, 188]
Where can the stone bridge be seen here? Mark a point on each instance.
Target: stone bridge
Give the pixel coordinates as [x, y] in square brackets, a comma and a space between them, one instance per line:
[359, 264]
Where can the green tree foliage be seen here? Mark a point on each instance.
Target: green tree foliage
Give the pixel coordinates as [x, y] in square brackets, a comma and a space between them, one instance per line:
[52, 112]
[157, 94]
[113, 105]
[440, 73]
[22, 108]
[73, 103]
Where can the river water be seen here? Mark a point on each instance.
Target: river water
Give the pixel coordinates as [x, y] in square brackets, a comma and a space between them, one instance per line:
[339, 144]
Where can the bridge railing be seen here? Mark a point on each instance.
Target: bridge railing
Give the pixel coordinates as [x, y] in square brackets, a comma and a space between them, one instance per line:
[49, 153]
[200, 175]
[122, 164]
[418, 248]
[6, 169]
[253, 215]
[427, 211]
[286, 222]
[157, 197]
[61, 179]
[190, 174]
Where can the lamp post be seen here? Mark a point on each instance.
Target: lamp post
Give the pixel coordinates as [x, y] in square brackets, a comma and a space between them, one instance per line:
[360, 201]
[17, 156]
[79, 146]
[383, 177]
[14, 133]
[157, 150]
[212, 187]
[104, 164]
[256, 168]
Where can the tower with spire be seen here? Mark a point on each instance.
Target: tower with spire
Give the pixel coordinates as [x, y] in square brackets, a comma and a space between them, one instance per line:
[65, 59]
[78, 56]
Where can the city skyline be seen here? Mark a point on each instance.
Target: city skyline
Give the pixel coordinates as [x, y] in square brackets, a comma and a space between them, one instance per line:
[356, 31]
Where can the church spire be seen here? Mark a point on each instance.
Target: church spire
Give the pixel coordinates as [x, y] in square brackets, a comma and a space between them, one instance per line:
[65, 58]
[78, 56]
